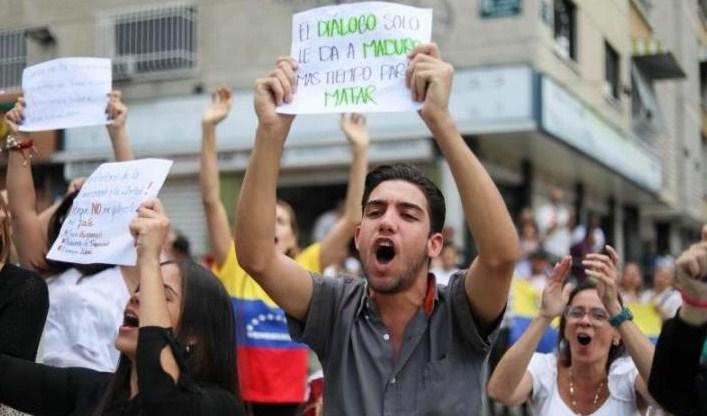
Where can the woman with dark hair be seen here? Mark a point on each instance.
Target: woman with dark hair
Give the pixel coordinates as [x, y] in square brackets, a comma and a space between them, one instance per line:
[175, 343]
[271, 367]
[591, 374]
[86, 301]
[23, 297]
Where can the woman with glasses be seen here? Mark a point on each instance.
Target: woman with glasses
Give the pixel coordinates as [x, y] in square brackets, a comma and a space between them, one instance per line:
[590, 374]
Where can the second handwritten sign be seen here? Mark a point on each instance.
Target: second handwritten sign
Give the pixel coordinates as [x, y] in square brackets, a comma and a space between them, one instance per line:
[96, 229]
[65, 93]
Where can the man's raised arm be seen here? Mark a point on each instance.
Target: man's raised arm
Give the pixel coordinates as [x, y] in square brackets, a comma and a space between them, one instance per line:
[287, 283]
[489, 276]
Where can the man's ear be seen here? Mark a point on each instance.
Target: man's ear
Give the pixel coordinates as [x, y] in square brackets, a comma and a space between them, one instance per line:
[435, 244]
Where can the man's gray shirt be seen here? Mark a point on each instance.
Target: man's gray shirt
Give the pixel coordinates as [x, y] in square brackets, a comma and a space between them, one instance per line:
[441, 368]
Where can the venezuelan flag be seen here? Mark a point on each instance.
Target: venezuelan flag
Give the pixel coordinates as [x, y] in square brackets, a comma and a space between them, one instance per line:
[271, 367]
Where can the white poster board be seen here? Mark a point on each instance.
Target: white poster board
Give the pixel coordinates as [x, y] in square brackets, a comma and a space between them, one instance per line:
[353, 57]
[65, 93]
[96, 228]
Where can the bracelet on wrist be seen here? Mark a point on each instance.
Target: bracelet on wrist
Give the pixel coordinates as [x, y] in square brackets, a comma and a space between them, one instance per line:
[621, 317]
[24, 146]
[693, 301]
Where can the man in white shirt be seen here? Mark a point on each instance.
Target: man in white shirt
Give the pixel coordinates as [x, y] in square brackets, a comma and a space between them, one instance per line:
[553, 221]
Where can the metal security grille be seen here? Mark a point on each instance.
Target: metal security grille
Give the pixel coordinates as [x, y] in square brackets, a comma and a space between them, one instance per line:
[150, 42]
[13, 58]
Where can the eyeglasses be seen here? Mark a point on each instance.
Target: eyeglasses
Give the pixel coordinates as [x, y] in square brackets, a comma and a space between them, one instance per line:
[597, 315]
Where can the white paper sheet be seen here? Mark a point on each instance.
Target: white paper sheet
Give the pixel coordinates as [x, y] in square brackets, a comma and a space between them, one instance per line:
[96, 229]
[65, 93]
[353, 57]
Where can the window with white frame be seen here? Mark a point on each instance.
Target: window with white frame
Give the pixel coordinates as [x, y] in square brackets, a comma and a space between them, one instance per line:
[13, 58]
[565, 28]
[150, 42]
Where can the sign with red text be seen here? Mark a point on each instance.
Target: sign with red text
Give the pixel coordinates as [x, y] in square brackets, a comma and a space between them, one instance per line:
[96, 228]
[353, 57]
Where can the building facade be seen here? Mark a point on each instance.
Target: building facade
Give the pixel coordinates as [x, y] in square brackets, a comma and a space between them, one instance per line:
[600, 98]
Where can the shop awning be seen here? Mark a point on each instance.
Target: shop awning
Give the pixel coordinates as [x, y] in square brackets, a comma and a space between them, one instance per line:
[654, 59]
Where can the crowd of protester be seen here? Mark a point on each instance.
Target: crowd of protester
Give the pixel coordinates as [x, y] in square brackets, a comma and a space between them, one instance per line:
[398, 324]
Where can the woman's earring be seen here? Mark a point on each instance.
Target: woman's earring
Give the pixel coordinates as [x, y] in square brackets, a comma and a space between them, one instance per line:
[615, 342]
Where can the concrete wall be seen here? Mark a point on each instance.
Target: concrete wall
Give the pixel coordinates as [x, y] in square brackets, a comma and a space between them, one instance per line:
[677, 24]
[597, 22]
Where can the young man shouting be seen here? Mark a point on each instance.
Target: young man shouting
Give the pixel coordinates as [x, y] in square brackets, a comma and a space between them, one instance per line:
[394, 343]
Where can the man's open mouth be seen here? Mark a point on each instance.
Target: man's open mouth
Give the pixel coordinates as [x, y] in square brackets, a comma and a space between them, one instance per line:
[385, 252]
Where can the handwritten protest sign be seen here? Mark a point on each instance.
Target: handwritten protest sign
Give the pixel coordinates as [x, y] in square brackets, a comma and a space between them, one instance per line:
[353, 57]
[96, 229]
[66, 92]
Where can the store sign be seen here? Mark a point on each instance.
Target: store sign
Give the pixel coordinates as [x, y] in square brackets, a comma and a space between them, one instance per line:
[569, 120]
[499, 8]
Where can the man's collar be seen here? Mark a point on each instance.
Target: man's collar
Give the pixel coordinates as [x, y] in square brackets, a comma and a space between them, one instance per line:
[428, 304]
[431, 296]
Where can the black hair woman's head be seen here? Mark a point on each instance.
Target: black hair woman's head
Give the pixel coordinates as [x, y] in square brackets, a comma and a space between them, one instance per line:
[202, 319]
[585, 333]
[286, 229]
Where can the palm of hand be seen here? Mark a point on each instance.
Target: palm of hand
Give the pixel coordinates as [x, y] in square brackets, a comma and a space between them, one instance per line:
[607, 291]
[118, 121]
[121, 118]
[355, 133]
[552, 301]
[606, 294]
[216, 113]
[12, 117]
[555, 295]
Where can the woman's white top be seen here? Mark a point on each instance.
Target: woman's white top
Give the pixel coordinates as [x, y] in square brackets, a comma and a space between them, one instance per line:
[546, 398]
[8, 411]
[83, 320]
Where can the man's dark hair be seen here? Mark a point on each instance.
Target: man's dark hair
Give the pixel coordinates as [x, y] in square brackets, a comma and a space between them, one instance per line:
[405, 172]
